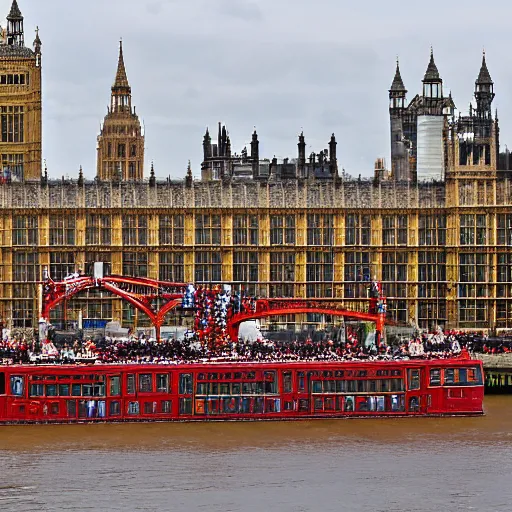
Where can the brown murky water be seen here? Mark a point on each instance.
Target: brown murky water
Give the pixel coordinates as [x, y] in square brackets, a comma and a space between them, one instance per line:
[451, 464]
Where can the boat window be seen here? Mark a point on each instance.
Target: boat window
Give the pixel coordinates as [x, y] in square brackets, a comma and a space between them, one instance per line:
[150, 407]
[301, 381]
[36, 390]
[82, 409]
[214, 388]
[185, 405]
[228, 376]
[474, 376]
[202, 388]
[397, 403]
[51, 390]
[381, 407]
[270, 382]
[288, 405]
[372, 386]
[212, 406]
[318, 404]
[449, 376]
[201, 376]
[463, 376]
[64, 377]
[246, 388]
[258, 405]
[361, 386]
[287, 382]
[76, 390]
[251, 375]
[238, 375]
[414, 379]
[329, 404]
[341, 386]
[87, 390]
[133, 408]
[414, 404]
[435, 377]
[54, 408]
[77, 377]
[2, 383]
[162, 382]
[165, 406]
[224, 388]
[115, 385]
[115, 408]
[17, 385]
[200, 406]
[351, 386]
[98, 390]
[63, 389]
[213, 376]
[186, 385]
[130, 384]
[317, 386]
[71, 408]
[348, 405]
[145, 383]
[235, 388]
[230, 405]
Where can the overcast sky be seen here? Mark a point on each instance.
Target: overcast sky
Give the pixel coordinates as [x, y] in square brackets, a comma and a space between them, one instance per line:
[281, 65]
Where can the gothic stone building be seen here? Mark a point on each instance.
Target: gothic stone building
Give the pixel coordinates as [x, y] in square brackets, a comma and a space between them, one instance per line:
[443, 248]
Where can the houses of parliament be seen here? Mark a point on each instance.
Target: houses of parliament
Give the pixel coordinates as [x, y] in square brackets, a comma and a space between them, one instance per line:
[435, 228]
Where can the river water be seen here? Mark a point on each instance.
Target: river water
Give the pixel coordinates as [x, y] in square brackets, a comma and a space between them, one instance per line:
[417, 464]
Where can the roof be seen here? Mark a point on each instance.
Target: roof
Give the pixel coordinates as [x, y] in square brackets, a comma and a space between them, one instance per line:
[398, 84]
[484, 76]
[432, 74]
[121, 78]
[8, 50]
[15, 11]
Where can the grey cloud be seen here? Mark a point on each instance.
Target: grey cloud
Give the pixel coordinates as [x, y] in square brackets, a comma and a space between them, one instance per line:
[240, 9]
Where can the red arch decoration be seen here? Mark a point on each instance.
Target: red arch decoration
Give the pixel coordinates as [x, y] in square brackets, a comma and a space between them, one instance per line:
[142, 293]
[276, 307]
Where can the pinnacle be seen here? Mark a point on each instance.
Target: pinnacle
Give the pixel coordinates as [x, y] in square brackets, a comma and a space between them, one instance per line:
[121, 78]
[398, 83]
[432, 74]
[15, 11]
[484, 76]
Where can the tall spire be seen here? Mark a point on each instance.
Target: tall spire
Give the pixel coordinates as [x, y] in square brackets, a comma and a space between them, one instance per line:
[15, 11]
[15, 35]
[121, 78]
[432, 74]
[484, 77]
[398, 84]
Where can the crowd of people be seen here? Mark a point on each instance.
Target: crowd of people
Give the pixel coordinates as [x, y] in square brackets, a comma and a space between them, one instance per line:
[143, 350]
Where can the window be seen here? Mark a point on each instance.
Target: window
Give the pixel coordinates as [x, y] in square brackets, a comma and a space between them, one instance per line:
[162, 382]
[473, 229]
[282, 272]
[435, 377]
[171, 267]
[504, 223]
[185, 384]
[135, 230]
[121, 150]
[92, 257]
[115, 386]
[133, 408]
[115, 408]
[36, 390]
[150, 407]
[24, 230]
[357, 271]
[12, 166]
[62, 264]
[413, 379]
[208, 229]
[98, 229]
[357, 229]
[319, 274]
[17, 385]
[245, 230]
[135, 264]
[245, 266]
[208, 267]
[12, 123]
[287, 382]
[282, 230]
[145, 383]
[320, 230]
[25, 267]
[130, 384]
[172, 229]
[166, 406]
[432, 230]
[394, 230]
[185, 406]
[62, 230]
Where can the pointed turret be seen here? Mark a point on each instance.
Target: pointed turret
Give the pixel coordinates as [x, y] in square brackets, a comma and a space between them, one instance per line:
[484, 91]
[398, 84]
[484, 77]
[189, 177]
[152, 177]
[432, 74]
[15, 35]
[121, 80]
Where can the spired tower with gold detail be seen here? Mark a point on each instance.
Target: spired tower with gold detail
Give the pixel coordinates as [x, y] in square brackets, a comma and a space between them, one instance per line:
[20, 102]
[121, 142]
